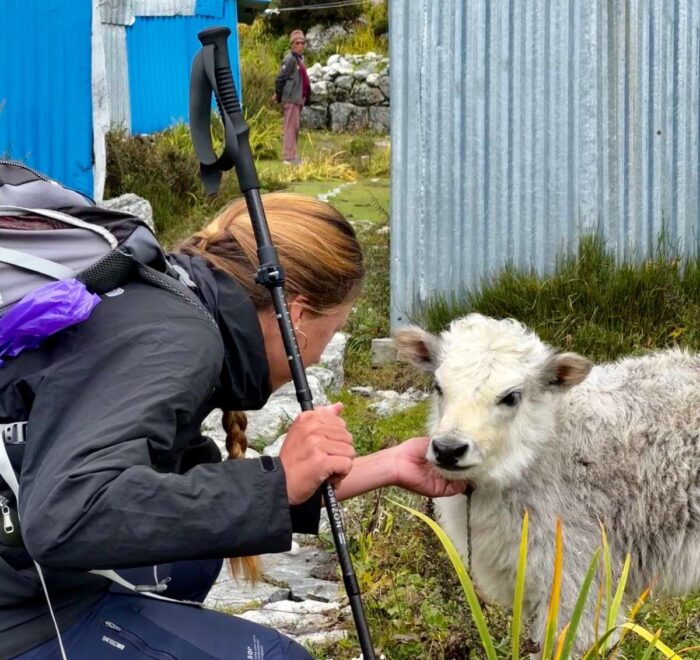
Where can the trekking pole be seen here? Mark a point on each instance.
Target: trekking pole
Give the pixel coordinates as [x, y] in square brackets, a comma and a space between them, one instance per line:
[211, 72]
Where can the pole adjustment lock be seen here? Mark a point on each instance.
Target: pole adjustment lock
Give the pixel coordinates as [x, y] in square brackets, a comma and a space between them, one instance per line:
[270, 275]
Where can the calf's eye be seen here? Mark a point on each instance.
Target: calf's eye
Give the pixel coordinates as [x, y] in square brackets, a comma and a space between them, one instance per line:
[511, 399]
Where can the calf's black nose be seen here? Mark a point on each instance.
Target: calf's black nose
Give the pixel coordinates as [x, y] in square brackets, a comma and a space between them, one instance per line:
[448, 451]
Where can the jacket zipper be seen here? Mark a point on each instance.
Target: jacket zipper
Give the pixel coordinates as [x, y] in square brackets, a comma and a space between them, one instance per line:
[139, 643]
[7, 525]
[25, 167]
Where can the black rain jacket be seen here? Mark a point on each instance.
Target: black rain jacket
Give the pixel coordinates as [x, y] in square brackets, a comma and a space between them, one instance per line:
[115, 472]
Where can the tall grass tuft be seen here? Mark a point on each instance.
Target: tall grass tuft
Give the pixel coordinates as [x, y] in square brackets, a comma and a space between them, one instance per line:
[591, 303]
[552, 647]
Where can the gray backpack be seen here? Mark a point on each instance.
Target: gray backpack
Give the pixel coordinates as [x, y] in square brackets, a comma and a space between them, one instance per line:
[49, 232]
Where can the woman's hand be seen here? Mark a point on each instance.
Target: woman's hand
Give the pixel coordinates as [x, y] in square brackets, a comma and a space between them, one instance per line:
[415, 473]
[317, 448]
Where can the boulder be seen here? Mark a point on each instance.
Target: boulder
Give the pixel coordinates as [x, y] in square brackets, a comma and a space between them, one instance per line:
[348, 117]
[319, 92]
[380, 118]
[332, 360]
[315, 72]
[315, 117]
[384, 86]
[318, 36]
[131, 203]
[363, 94]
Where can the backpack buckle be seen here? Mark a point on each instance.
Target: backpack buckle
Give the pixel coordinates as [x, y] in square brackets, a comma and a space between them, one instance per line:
[13, 433]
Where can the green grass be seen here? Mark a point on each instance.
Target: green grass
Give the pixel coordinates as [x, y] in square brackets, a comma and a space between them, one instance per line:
[591, 304]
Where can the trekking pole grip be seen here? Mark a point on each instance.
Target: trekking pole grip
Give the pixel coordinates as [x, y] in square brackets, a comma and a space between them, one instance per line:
[226, 95]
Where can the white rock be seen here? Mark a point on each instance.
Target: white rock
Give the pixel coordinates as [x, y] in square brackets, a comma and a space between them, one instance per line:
[363, 390]
[315, 71]
[132, 203]
[275, 448]
[326, 377]
[332, 359]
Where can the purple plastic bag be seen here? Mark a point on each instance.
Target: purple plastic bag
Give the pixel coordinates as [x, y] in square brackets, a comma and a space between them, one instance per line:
[43, 312]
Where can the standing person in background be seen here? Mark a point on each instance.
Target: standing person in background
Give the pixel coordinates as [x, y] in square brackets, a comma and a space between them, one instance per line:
[292, 89]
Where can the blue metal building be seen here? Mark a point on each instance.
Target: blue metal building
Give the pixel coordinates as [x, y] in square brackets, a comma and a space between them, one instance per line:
[73, 69]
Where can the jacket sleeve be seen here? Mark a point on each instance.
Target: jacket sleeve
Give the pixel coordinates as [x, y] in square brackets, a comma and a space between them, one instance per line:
[95, 491]
[286, 70]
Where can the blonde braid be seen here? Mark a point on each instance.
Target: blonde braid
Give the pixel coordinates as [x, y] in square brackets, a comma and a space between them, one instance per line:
[234, 423]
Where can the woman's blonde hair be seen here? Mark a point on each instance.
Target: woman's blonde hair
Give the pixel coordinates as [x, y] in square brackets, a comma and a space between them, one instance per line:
[322, 261]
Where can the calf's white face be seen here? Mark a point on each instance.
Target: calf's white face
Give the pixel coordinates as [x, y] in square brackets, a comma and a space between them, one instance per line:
[494, 383]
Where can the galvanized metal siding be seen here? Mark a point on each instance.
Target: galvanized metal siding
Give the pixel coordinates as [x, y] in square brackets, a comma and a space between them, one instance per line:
[518, 126]
[45, 88]
[160, 52]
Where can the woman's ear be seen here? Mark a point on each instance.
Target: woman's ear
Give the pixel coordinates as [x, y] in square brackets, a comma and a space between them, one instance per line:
[298, 306]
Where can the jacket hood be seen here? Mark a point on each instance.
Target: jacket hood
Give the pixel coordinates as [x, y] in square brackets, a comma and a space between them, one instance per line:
[245, 377]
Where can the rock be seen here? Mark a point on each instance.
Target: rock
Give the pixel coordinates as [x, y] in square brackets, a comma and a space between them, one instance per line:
[332, 359]
[363, 94]
[319, 92]
[373, 79]
[384, 86]
[281, 409]
[227, 593]
[325, 376]
[131, 203]
[389, 402]
[315, 117]
[344, 82]
[333, 59]
[383, 351]
[275, 448]
[348, 117]
[360, 74]
[318, 36]
[380, 119]
[344, 67]
[360, 390]
[295, 571]
[290, 617]
[315, 72]
[322, 637]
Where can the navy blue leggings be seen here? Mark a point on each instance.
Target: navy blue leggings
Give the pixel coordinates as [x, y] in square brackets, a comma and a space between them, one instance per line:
[129, 627]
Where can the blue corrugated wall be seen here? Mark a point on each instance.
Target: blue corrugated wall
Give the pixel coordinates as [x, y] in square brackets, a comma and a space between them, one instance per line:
[45, 87]
[160, 52]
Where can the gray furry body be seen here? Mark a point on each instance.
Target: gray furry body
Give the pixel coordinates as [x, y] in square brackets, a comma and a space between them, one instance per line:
[619, 445]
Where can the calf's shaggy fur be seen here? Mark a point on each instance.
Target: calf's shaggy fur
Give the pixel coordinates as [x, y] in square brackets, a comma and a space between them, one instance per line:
[532, 429]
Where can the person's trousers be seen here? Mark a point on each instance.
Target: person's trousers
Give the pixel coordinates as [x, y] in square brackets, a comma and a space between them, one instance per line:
[133, 627]
[291, 113]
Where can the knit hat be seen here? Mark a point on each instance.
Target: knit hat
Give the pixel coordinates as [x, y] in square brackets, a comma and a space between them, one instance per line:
[296, 34]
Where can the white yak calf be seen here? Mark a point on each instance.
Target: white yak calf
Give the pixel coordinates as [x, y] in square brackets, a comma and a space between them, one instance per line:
[530, 428]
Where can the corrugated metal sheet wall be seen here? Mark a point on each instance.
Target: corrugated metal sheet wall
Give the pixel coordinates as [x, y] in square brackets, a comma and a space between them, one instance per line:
[518, 126]
[46, 89]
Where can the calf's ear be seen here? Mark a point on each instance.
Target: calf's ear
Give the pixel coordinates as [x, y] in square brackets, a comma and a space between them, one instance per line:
[417, 346]
[564, 370]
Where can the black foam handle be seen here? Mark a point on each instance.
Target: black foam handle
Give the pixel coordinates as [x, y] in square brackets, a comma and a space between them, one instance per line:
[226, 95]
[229, 104]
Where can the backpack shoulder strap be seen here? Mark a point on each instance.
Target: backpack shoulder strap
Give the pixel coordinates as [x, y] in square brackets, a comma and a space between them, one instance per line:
[35, 263]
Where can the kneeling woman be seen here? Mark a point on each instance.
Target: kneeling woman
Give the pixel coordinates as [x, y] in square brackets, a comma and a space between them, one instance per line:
[116, 474]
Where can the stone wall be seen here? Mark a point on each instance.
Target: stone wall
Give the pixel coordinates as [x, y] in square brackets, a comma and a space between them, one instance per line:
[349, 94]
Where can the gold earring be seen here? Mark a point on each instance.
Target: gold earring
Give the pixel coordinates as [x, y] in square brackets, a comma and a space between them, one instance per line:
[306, 339]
